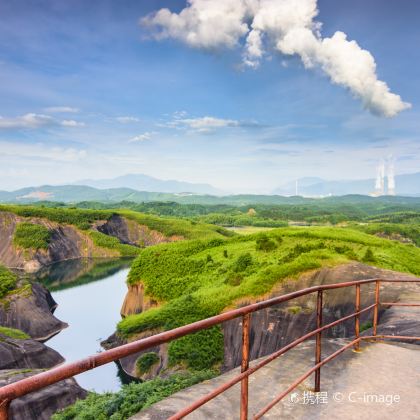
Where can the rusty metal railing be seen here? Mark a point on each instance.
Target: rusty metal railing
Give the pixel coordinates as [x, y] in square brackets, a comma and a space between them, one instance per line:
[25, 386]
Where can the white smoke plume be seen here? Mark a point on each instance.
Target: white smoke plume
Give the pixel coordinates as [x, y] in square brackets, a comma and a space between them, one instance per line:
[286, 26]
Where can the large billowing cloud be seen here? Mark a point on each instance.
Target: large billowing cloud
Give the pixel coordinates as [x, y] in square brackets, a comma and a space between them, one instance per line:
[286, 26]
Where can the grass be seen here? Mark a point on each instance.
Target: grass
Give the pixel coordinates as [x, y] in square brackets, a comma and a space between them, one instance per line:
[13, 333]
[84, 218]
[77, 217]
[110, 242]
[187, 229]
[193, 280]
[131, 398]
[8, 281]
[31, 236]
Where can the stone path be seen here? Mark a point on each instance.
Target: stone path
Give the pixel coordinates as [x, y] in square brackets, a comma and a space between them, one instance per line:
[382, 382]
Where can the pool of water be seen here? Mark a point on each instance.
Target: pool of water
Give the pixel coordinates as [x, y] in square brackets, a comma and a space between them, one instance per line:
[89, 296]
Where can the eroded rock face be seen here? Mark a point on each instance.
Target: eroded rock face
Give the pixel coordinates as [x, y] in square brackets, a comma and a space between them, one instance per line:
[66, 243]
[26, 354]
[277, 326]
[131, 233]
[135, 301]
[32, 312]
[41, 405]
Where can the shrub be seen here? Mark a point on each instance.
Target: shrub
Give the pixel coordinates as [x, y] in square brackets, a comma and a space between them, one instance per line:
[131, 398]
[146, 361]
[242, 262]
[8, 281]
[225, 253]
[264, 243]
[369, 256]
[31, 236]
[111, 242]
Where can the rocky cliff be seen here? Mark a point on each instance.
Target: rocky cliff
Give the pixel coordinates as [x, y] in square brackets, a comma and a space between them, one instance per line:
[66, 243]
[131, 233]
[30, 309]
[42, 404]
[69, 243]
[275, 327]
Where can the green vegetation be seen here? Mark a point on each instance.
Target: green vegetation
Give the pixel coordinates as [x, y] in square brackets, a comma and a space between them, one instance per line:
[197, 279]
[145, 362]
[72, 216]
[365, 326]
[187, 229]
[13, 333]
[110, 242]
[408, 232]
[131, 398]
[8, 281]
[83, 219]
[31, 236]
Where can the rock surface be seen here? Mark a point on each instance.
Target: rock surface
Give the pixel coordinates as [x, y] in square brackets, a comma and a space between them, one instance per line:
[32, 312]
[41, 405]
[131, 233]
[277, 326]
[346, 380]
[67, 242]
[26, 354]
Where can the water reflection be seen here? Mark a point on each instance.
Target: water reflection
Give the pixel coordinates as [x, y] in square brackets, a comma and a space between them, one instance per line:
[89, 294]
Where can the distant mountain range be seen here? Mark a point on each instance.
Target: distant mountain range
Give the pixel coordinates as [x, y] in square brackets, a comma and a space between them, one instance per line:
[78, 193]
[406, 185]
[183, 192]
[141, 182]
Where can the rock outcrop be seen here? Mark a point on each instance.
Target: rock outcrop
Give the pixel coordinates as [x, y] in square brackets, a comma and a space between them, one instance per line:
[66, 243]
[31, 309]
[131, 233]
[275, 327]
[136, 301]
[26, 354]
[42, 404]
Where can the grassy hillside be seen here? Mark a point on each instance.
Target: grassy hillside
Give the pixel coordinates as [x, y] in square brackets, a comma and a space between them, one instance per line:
[84, 218]
[196, 279]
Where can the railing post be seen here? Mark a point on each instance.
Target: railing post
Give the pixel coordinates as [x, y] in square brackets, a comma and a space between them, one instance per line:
[357, 318]
[318, 341]
[245, 365]
[375, 311]
[4, 410]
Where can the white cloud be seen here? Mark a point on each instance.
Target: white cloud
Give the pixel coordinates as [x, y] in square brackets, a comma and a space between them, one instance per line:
[127, 120]
[286, 26]
[203, 24]
[205, 124]
[29, 120]
[142, 137]
[72, 123]
[62, 109]
[33, 121]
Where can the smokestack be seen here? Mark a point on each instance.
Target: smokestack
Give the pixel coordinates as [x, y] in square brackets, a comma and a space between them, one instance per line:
[380, 179]
[391, 178]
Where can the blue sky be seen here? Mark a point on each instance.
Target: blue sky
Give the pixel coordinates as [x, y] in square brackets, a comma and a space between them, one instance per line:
[88, 92]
